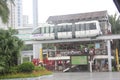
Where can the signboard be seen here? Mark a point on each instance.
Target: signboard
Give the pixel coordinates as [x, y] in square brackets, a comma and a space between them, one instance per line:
[79, 60]
[97, 45]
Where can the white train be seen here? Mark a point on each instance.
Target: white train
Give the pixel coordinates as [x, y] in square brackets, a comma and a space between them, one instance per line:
[67, 30]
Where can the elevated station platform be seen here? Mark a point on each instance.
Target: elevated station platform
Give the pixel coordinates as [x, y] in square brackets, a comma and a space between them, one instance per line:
[102, 37]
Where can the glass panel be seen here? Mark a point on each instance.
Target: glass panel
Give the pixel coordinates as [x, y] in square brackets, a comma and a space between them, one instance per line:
[37, 31]
[51, 29]
[92, 26]
[64, 28]
[59, 28]
[47, 29]
[82, 27]
[69, 28]
[42, 30]
[87, 26]
[77, 27]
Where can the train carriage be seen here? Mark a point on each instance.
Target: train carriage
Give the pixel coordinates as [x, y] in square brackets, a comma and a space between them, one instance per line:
[43, 33]
[67, 30]
[87, 29]
[64, 30]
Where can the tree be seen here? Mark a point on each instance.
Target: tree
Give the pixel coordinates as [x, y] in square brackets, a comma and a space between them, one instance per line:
[9, 49]
[115, 27]
[4, 10]
[115, 23]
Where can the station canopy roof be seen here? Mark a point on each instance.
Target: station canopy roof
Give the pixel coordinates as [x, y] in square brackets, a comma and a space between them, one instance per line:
[71, 18]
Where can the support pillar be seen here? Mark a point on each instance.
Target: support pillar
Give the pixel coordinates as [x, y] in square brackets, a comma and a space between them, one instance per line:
[117, 59]
[90, 62]
[55, 47]
[109, 55]
[37, 52]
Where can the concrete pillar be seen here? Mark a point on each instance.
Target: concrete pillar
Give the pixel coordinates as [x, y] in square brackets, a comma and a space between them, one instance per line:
[55, 56]
[37, 51]
[90, 62]
[109, 55]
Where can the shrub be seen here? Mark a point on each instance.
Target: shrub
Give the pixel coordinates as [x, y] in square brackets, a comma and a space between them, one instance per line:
[26, 67]
[39, 68]
[13, 69]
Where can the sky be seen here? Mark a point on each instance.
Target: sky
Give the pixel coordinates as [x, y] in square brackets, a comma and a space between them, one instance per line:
[48, 8]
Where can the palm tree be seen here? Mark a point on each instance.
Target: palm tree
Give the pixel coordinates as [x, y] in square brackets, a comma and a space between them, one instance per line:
[115, 23]
[10, 47]
[4, 10]
[115, 27]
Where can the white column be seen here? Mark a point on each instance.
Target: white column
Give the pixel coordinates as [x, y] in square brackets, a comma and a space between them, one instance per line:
[109, 55]
[36, 51]
[55, 56]
[90, 65]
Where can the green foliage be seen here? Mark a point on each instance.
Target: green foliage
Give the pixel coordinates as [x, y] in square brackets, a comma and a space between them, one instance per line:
[26, 67]
[25, 75]
[13, 70]
[4, 10]
[10, 47]
[39, 68]
[115, 23]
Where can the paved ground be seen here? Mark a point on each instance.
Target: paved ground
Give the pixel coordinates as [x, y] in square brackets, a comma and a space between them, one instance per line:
[78, 76]
[83, 76]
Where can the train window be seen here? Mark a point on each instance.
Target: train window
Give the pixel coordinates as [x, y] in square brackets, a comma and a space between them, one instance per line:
[82, 27]
[51, 29]
[47, 29]
[92, 26]
[59, 28]
[69, 28]
[87, 26]
[64, 28]
[42, 30]
[37, 31]
[77, 27]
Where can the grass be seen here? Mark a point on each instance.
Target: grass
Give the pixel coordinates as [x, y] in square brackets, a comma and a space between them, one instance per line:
[26, 75]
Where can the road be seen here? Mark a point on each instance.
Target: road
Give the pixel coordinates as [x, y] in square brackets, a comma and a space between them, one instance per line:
[77, 76]
[83, 76]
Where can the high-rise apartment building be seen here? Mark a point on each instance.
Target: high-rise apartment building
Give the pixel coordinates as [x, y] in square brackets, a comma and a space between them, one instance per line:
[15, 17]
[18, 13]
[25, 20]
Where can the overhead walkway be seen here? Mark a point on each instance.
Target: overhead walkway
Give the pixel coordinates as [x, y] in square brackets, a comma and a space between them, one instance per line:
[103, 37]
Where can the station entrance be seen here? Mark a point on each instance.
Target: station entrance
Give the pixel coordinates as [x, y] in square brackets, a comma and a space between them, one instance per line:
[58, 56]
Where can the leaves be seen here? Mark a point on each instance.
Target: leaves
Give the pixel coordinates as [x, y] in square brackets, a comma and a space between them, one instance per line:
[10, 47]
[115, 23]
[4, 10]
